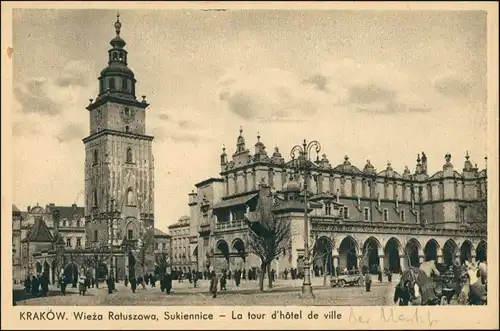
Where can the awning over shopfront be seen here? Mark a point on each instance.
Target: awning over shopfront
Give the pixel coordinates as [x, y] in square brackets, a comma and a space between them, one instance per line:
[237, 201]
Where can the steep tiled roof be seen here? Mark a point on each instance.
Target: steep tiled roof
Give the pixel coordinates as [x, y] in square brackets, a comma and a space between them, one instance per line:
[66, 212]
[39, 233]
[160, 233]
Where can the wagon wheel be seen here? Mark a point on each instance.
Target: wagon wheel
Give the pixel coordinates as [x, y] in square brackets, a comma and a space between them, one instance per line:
[341, 283]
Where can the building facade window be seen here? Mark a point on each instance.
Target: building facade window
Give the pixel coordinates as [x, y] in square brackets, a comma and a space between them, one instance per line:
[353, 186]
[441, 191]
[404, 193]
[402, 216]
[129, 158]
[64, 223]
[78, 223]
[328, 209]
[78, 242]
[429, 192]
[366, 213]
[96, 235]
[96, 157]
[346, 212]
[68, 242]
[130, 234]
[124, 85]
[130, 197]
[462, 214]
[386, 215]
[112, 84]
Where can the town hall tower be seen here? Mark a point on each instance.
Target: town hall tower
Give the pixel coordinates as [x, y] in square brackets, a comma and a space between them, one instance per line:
[119, 164]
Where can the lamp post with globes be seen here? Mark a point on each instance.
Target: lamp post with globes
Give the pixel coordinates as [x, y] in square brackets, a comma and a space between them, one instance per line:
[112, 216]
[303, 165]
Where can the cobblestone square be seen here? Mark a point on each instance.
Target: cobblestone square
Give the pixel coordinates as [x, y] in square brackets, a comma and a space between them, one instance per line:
[284, 292]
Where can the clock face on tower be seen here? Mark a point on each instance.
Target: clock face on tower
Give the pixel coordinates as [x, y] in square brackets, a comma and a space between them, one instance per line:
[127, 114]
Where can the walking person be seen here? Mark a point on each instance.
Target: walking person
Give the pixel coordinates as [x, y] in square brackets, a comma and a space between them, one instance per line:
[213, 284]
[133, 283]
[168, 283]
[379, 272]
[223, 281]
[368, 281]
[389, 275]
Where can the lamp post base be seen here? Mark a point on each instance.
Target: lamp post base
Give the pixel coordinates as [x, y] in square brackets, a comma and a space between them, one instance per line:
[307, 292]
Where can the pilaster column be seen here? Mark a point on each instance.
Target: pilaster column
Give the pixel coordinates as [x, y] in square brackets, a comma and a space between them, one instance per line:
[359, 260]
[402, 262]
[439, 255]
[381, 262]
[335, 264]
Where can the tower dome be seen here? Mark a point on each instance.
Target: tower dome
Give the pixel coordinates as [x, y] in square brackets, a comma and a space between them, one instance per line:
[117, 79]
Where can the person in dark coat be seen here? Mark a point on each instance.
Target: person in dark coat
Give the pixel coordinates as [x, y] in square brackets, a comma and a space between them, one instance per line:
[213, 284]
[168, 283]
[133, 284]
[35, 284]
[162, 283]
[223, 282]
[389, 275]
[368, 282]
[237, 277]
[44, 282]
[27, 284]
[244, 274]
[110, 282]
[379, 272]
[126, 281]
[195, 279]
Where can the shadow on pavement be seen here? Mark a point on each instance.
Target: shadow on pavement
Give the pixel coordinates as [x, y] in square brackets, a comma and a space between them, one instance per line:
[21, 295]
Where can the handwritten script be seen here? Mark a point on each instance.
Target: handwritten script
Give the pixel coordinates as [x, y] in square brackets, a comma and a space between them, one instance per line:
[391, 315]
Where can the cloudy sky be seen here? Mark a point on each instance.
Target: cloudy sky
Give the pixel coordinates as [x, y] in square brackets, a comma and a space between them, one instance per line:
[374, 85]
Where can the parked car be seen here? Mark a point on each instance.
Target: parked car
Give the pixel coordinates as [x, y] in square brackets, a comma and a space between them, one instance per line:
[350, 278]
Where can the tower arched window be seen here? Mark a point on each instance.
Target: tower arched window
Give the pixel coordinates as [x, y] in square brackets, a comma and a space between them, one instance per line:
[96, 157]
[129, 155]
[101, 86]
[112, 83]
[124, 85]
[441, 191]
[115, 56]
[130, 197]
[121, 57]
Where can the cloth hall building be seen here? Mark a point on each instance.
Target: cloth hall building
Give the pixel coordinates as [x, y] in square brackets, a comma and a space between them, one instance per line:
[365, 217]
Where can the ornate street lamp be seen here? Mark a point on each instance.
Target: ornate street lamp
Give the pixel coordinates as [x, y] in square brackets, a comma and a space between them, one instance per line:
[112, 215]
[303, 165]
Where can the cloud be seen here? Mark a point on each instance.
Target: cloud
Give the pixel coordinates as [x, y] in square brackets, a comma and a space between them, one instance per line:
[74, 73]
[453, 87]
[70, 132]
[320, 82]
[267, 94]
[163, 116]
[365, 94]
[25, 128]
[35, 99]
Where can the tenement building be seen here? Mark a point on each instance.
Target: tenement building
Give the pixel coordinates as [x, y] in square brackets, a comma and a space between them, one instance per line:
[180, 247]
[357, 216]
[114, 231]
[33, 235]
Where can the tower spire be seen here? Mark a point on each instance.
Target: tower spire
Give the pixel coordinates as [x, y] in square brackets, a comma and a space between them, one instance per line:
[118, 24]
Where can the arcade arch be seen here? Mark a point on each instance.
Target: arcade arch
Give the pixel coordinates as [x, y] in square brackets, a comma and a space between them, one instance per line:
[371, 254]
[431, 250]
[450, 249]
[392, 255]
[482, 251]
[322, 254]
[465, 252]
[412, 250]
[348, 253]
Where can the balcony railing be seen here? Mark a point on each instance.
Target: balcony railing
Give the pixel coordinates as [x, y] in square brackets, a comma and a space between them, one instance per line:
[237, 224]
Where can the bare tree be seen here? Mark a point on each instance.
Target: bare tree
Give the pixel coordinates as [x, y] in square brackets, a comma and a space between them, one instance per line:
[269, 235]
[146, 248]
[324, 255]
[478, 220]
[97, 257]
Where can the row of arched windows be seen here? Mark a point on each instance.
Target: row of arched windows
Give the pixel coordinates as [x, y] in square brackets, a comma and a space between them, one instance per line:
[128, 157]
[112, 84]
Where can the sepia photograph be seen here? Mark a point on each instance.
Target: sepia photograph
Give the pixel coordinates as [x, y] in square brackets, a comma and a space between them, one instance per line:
[244, 157]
